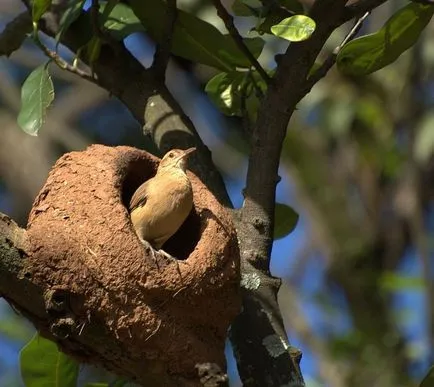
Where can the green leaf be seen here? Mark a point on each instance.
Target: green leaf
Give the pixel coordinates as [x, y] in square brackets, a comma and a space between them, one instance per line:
[119, 382]
[227, 91]
[292, 5]
[246, 7]
[39, 7]
[14, 34]
[285, 220]
[121, 21]
[295, 28]
[37, 93]
[393, 281]
[70, 16]
[370, 53]
[193, 38]
[275, 14]
[93, 49]
[273, 17]
[43, 365]
[428, 380]
[15, 329]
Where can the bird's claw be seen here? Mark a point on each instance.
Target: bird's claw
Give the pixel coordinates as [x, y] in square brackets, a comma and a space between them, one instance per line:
[153, 252]
[167, 255]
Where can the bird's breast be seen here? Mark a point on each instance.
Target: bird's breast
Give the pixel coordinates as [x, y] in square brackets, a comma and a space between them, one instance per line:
[168, 204]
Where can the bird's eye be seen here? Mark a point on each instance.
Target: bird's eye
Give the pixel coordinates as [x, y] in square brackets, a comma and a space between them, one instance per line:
[171, 155]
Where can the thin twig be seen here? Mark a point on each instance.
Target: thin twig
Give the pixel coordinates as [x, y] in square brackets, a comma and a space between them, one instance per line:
[322, 71]
[238, 39]
[162, 51]
[61, 62]
[360, 7]
[353, 32]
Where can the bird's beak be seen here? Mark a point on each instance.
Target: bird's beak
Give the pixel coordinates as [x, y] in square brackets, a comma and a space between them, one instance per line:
[188, 151]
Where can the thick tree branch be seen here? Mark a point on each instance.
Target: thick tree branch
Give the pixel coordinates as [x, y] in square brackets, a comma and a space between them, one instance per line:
[255, 231]
[252, 333]
[162, 51]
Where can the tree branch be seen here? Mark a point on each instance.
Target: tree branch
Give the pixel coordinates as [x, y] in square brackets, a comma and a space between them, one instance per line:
[162, 51]
[63, 64]
[238, 39]
[322, 71]
[260, 321]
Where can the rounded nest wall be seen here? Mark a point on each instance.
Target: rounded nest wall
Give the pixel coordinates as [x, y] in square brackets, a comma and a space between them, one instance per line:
[164, 316]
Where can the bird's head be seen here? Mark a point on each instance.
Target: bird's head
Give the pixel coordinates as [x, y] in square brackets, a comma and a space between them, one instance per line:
[175, 158]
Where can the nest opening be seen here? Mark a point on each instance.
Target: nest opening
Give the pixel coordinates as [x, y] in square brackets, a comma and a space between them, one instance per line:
[184, 241]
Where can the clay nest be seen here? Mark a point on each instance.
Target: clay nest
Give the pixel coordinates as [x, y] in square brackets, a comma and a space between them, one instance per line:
[108, 300]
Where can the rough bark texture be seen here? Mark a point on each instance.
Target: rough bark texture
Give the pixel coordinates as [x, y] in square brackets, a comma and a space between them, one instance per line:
[104, 298]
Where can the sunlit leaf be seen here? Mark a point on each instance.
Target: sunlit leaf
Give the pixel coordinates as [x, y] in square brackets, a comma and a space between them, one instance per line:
[271, 19]
[428, 380]
[93, 49]
[372, 52]
[70, 16]
[228, 90]
[285, 220]
[225, 90]
[37, 93]
[193, 38]
[295, 28]
[39, 7]
[393, 281]
[43, 365]
[276, 14]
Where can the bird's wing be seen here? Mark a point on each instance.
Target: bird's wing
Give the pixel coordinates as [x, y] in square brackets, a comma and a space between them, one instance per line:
[140, 196]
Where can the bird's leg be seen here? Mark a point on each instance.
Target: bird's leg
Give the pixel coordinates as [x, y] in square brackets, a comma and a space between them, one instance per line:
[167, 255]
[150, 249]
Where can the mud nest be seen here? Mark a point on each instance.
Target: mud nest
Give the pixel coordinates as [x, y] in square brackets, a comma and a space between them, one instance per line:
[107, 299]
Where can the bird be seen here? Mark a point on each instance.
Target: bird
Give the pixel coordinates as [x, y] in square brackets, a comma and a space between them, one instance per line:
[159, 207]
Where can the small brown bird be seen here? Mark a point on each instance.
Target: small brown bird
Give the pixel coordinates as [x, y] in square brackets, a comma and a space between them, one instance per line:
[161, 204]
